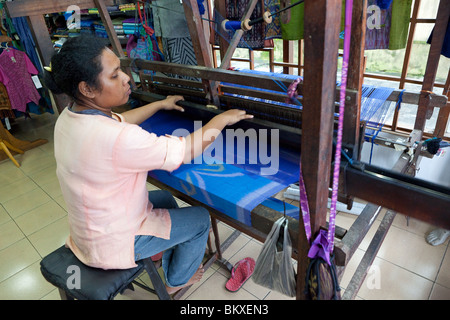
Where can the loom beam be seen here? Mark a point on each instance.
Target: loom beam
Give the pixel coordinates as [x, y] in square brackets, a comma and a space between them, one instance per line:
[412, 197]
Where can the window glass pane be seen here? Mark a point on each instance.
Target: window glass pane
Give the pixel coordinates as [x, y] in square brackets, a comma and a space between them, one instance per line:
[443, 70]
[422, 32]
[407, 113]
[388, 62]
[431, 123]
[427, 9]
[407, 116]
[380, 83]
[418, 60]
[261, 60]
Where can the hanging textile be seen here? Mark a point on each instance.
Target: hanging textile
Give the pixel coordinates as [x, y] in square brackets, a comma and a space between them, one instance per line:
[142, 42]
[179, 50]
[16, 70]
[384, 4]
[292, 22]
[387, 24]
[401, 14]
[19, 27]
[169, 20]
[252, 39]
[446, 45]
[171, 26]
[378, 26]
[273, 29]
[24, 32]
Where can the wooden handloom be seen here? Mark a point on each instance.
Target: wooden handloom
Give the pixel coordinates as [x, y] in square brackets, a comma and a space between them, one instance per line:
[395, 189]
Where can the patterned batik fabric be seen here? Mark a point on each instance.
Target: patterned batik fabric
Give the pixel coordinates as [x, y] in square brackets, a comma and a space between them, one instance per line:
[181, 51]
[378, 26]
[273, 29]
[16, 70]
[252, 39]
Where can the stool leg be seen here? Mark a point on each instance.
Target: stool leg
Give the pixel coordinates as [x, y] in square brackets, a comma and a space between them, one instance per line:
[216, 237]
[64, 295]
[5, 149]
[157, 282]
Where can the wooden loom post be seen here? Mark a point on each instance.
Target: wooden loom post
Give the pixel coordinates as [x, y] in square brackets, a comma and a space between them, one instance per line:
[220, 12]
[424, 112]
[352, 113]
[201, 47]
[321, 23]
[444, 112]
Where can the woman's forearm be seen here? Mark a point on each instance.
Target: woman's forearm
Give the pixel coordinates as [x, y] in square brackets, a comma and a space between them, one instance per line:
[139, 115]
[200, 139]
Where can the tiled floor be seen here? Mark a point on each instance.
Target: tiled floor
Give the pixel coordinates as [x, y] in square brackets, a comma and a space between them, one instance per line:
[33, 223]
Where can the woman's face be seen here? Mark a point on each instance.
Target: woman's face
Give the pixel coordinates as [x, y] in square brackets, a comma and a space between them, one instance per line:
[114, 88]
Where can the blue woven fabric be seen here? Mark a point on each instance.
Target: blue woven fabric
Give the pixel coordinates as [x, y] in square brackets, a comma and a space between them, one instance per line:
[234, 186]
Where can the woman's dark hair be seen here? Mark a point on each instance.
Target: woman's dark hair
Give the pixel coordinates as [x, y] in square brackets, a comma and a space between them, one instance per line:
[79, 59]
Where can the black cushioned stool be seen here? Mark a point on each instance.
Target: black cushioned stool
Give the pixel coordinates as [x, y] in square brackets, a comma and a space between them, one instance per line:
[93, 283]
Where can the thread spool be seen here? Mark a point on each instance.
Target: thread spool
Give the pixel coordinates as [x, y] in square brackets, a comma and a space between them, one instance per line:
[266, 17]
[246, 24]
[235, 25]
[231, 25]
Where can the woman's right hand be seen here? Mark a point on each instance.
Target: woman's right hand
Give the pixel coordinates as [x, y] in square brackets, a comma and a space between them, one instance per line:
[233, 116]
[209, 132]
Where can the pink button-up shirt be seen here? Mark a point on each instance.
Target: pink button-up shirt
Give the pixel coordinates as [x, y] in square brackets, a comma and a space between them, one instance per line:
[102, 167]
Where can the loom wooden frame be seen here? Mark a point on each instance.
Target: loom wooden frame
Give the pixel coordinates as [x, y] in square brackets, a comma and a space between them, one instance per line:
[289, 65]
[321, 30]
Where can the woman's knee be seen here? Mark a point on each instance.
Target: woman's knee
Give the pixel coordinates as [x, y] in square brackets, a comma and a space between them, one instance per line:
[204, 216]
[162, 199]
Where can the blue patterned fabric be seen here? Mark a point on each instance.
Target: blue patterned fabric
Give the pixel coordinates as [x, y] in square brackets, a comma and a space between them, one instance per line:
[233, 187]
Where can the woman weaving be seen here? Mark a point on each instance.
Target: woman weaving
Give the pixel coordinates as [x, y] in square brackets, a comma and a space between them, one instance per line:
[102, 163]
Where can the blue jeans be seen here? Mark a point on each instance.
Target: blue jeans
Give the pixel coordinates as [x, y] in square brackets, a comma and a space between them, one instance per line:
[184, 251]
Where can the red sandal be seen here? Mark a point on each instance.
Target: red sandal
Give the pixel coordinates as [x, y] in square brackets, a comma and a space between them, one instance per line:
[240, 273]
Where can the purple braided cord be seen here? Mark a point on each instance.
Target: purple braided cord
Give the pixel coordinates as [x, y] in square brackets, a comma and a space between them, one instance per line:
[304, 205]
[337, 159]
